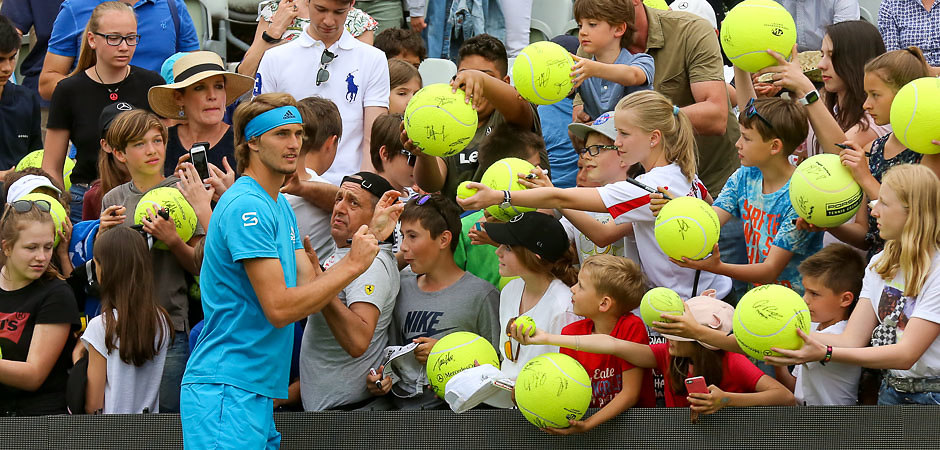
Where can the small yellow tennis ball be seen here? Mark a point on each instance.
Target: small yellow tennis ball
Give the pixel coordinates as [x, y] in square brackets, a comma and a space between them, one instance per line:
[171, 199]
[34, 159]
[59, 215]
[751, 28]
[552, 389]
[453, 354]
[658, 301]
[914, 115]
[525, 323]
[542, 73]
[503, 175]
[440, 122]
[687, 227]
[768, 316]
[463, 191]
[823, 191]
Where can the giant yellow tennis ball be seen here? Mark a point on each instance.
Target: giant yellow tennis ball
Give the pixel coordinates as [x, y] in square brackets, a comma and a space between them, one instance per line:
[915, 115]
[463, 191]
[542, 73]
[454, 353]
[552, 389]
[823, 191]
[171, 199]
[751, 28]
[440, 122]
[768, 316]
[658, 301]
[503, 175]
[687, 227]
[34, 159]
[59, 215]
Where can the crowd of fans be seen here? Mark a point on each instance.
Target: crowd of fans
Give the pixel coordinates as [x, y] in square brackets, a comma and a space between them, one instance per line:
[324, 235]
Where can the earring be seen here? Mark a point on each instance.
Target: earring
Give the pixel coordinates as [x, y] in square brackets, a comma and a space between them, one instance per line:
[182, 114]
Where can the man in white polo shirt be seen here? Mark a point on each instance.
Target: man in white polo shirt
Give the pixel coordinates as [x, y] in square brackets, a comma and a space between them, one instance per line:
[329, 62]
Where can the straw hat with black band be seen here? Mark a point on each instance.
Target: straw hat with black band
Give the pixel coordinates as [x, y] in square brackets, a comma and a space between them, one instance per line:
[190, 69]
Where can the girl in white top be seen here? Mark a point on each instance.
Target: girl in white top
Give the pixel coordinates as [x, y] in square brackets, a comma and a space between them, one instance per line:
[127, 343]
[652, 132]
[533, 247]
[898, 310]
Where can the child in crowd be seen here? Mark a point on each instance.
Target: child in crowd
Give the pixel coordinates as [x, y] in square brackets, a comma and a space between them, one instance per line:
[404, 80]
[608, 288]
[653, 132]
[127, 343]
[605, 29]
[758, 193]
[900, 296]
[33, 179]
[20, 127]
[38, 311]
[138, 140]
[436, 297]
[532, 247]
[732, 380]
[403, 44]
[482, 72]
[111, 172]
[389, 156]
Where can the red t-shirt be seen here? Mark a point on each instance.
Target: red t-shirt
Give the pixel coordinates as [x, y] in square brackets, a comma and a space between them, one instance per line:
[738, 374]
[606, 371]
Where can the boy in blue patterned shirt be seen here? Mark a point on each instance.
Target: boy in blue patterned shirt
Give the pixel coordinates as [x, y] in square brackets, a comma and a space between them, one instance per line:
[759, 194]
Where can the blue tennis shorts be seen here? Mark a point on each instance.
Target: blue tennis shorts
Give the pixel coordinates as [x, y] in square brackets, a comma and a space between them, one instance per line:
[221, 416]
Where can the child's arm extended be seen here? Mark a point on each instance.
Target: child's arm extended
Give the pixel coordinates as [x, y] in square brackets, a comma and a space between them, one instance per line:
[482, 88]
[626, 398]
[623, 74]
[584, 199]
[639, 355]
[601, 234]
[686, 326]
[765, 272]
[767, 392]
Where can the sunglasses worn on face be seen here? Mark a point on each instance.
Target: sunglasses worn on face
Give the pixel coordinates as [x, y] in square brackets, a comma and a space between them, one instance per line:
[596, 149]
[115, 40]
[750, 111]
[325, 59]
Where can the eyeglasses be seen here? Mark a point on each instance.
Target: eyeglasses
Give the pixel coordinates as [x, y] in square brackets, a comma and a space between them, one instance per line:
[323, 75]
[412, 158]
[750, 111]
[596, 149]
[115, 40]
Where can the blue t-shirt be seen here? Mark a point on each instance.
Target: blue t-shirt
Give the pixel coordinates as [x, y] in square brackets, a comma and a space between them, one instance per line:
[768, 221]
[561, 155]
[600, 95]
[238, 345]
[155, 25]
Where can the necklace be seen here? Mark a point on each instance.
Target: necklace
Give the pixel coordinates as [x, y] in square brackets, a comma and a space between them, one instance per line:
[113, 94]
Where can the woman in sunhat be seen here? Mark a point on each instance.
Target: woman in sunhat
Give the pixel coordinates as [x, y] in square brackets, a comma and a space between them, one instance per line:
[201, 90]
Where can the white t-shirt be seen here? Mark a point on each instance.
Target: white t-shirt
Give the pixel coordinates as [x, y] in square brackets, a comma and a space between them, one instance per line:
[625, 247]
[313, 221]
[552, 313]
[832, 384]
[129, 389]
[358, 79]
[884, 296]
[628, 203]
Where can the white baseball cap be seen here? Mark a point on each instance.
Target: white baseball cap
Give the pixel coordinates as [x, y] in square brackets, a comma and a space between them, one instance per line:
[700, 8]
[27, 184]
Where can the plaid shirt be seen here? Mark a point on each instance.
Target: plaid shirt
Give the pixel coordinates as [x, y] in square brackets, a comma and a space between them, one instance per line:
[906, 22]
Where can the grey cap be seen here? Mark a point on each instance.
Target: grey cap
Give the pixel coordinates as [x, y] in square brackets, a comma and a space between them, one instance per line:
[603, 124]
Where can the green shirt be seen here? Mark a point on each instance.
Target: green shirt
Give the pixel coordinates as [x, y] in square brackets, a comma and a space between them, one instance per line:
[480, 260]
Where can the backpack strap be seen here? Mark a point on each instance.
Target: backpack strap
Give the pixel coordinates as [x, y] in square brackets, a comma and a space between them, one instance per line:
[175, 15]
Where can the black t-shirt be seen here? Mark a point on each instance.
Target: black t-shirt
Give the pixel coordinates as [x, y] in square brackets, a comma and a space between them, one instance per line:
[77, 103]
[175, 149]
[44, 301]
[20, 122]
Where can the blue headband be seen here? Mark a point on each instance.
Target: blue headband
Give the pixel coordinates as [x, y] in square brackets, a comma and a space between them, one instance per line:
[269, 120]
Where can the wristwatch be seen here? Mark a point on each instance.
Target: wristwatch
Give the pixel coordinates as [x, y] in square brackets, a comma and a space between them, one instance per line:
[810, 98]
[506, 198]
[269, 39]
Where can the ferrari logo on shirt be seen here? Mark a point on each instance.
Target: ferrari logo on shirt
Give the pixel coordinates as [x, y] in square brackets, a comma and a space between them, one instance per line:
[370, 288]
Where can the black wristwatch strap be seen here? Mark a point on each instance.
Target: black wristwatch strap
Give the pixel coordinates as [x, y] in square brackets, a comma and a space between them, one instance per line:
[267, 38]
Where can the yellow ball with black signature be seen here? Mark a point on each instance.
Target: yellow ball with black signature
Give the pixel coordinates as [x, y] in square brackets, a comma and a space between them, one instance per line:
[440, 122]
[687, 227]
[453, 354]
[824, 192]
[768, 316]
[542, 73]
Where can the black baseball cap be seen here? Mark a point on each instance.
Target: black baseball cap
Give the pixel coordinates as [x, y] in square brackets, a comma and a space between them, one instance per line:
[108, 113]
[374, 183]
[544, 235]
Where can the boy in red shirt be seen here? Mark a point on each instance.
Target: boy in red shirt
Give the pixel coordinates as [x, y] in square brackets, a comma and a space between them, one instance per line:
[608, 288]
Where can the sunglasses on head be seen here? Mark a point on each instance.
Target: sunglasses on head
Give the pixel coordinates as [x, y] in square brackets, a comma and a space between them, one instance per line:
[751, 110]
[326, 58]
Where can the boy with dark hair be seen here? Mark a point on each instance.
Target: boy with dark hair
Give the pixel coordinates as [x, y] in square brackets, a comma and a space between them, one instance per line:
[759, 193]
[482, 73]
[605, 30]
[402, 44]
[608, 289]
[436, 297]
[20, 127]
[389, 156]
